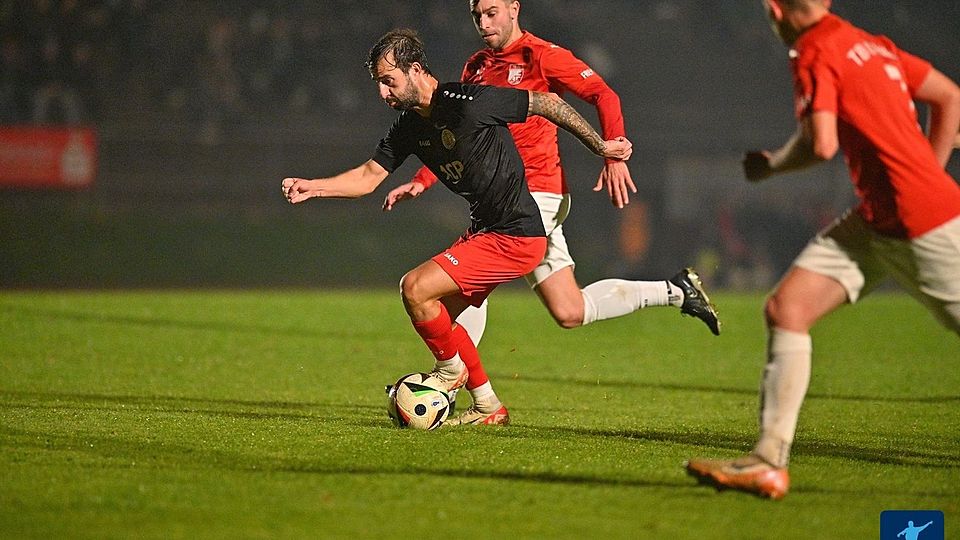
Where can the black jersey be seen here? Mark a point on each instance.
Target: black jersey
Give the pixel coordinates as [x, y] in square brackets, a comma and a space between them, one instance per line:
[466, 143]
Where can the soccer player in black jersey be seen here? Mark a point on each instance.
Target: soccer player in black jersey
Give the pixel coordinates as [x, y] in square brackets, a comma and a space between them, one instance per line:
[460, 132]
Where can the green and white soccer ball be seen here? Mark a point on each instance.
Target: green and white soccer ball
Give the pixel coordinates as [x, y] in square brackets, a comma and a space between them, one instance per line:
[418, 401]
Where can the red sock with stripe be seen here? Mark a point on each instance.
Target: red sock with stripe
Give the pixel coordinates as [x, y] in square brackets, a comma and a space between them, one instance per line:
[445, 343]
[471, 358]
[438, 335]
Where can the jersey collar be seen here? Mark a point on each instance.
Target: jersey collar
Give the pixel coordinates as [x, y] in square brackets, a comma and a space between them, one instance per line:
[827, 23]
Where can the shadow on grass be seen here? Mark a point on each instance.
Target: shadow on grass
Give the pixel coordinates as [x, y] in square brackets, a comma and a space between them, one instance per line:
[362, 416]
[171, 404]
[116, 453]
[743, 443]
[639, 385]
[178, 324]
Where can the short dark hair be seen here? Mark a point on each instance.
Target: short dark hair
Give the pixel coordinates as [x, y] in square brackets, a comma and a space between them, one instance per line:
[406, 46]
[800, 5]
[473, 3]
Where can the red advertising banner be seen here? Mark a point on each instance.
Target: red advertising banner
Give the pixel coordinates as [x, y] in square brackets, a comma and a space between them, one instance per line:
[47, 157]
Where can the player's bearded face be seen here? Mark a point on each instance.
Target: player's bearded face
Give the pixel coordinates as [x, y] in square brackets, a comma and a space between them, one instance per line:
[396, 87]
[405, 96]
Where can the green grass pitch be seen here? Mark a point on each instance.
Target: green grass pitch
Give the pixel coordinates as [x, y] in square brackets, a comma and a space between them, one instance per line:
[261, 414]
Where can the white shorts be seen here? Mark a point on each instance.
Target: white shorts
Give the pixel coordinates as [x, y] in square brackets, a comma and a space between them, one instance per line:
[554, 208]
[928, 266]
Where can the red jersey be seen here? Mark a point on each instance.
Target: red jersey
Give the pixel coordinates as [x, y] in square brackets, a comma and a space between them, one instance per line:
[531, 63]
[868, 83]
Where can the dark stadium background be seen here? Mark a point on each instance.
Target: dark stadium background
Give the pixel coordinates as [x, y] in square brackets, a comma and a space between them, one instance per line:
[201, 108]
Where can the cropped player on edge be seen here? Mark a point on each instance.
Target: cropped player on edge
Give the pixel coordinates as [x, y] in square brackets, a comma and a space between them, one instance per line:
[459, 131]
[853, 91]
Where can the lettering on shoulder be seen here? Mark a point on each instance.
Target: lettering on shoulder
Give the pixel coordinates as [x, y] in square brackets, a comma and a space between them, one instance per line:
[862, 52]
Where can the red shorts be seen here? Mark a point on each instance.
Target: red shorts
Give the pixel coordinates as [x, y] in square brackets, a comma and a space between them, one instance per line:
[480, 262]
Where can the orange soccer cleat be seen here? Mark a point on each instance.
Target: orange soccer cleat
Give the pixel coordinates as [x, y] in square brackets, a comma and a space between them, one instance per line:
[749, 473]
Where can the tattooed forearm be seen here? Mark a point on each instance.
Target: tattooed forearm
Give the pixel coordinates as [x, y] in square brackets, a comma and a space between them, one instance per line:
[558, 111]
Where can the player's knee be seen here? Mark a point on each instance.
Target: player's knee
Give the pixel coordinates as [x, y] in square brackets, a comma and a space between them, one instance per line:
[771, 310]
[781, 313]
[567, 317]
[412, 290]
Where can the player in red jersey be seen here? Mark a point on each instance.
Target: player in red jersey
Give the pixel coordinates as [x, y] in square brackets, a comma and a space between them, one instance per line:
[853, 91]
[514, 58]
[459, 131]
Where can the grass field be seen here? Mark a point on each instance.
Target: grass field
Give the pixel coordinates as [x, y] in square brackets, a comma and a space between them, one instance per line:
[260, 415]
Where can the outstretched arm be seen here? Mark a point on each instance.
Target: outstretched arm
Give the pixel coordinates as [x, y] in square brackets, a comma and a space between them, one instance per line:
[351, 184]
[615, 175]
[815, 140]
[558, 111]
[563, 69]
[410, 190]
[422, 181]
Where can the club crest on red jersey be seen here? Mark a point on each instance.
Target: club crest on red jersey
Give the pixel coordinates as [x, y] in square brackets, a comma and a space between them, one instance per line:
[515, 74]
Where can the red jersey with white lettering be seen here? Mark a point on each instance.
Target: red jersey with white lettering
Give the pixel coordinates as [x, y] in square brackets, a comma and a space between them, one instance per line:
[868, 83]
[532, 63]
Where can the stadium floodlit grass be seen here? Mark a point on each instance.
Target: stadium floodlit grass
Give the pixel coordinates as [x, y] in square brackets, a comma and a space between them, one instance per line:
[261, 414]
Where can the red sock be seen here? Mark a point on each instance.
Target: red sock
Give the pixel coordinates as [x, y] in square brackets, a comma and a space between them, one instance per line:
[438, 335]
[471, 358]
[445, 342]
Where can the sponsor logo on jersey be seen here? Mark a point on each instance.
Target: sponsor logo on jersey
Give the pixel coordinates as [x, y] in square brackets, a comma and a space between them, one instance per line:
[586, 73]
[448, 139]
[515, 74]
[452, 259]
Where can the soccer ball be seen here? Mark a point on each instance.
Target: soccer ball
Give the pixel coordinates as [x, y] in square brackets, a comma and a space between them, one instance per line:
[419, 401]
